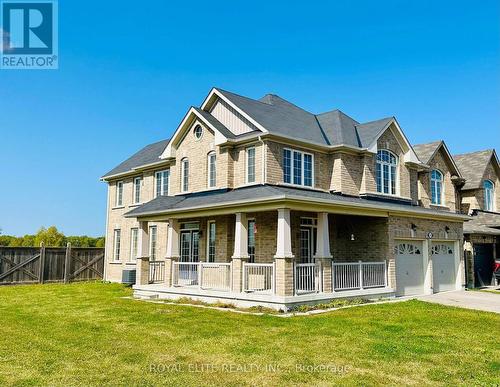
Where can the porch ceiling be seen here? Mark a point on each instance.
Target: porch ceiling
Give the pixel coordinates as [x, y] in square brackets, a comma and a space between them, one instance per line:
[270, 197]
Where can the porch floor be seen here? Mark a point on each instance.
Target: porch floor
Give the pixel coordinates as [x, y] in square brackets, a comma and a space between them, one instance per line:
[249, 299]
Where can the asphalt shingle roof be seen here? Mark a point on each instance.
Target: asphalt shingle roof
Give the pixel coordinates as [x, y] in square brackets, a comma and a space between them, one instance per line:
[256, 193]
[149, 154]
[472, 166]
[426, 151]
[281, 117]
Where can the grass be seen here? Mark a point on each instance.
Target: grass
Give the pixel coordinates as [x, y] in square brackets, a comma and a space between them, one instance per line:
[88, 334]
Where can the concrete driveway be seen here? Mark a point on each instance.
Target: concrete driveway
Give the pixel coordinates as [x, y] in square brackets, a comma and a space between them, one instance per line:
[489, 302]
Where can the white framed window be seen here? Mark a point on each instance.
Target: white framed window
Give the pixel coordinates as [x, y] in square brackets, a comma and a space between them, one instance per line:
[162, 180]
[211, 241]
[117, 236]
[489, 195]
[198, 132]
[436, 187]
[137, 190]
[185, 175]
[212, 170]
[298, 167]
[153, 237]
[119, 193]
[134, 243]
[251, 240]
[250, 165]
[387, 164]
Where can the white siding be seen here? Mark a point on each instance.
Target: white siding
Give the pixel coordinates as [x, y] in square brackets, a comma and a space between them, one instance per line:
[231, 119]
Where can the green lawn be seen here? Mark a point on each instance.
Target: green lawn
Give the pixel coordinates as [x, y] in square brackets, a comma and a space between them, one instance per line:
[88, 334]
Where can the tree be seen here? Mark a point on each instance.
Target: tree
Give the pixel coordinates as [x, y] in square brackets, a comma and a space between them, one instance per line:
[50, 237]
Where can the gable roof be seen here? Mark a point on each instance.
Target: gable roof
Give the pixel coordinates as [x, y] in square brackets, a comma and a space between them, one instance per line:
[334, 128]
[426, 152]
[473, 165]
[150, 154]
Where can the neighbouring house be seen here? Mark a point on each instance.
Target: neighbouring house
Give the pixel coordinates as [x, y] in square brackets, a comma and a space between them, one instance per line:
[259, 202]
[481, 199]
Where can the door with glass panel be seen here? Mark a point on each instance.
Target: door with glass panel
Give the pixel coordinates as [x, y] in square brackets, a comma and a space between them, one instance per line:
[306, 272]
[189, 246]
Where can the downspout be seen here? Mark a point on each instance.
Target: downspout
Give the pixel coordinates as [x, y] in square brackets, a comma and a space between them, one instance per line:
[263, 160]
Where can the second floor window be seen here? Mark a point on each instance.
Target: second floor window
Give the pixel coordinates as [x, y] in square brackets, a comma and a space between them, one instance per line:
[489, 195]
[387, 164]
[250, 172]
[117, 236]
[162, 178]
[185, 175]
[119, 193]
[297, 168]
[137, 190]
[436, 187]
[212, 171]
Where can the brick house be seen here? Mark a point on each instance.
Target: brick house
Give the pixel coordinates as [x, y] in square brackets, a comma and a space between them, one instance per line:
[261, 202]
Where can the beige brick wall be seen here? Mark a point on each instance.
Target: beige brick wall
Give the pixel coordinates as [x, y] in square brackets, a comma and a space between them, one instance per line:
[439, 163]
[116, 220]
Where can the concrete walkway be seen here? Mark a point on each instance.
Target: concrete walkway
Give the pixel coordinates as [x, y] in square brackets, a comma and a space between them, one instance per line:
[489, 302]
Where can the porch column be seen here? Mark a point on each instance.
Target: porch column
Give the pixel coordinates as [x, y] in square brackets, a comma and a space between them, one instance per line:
[172, 250]
[240, 253]
[284, 258]
[323, 256]
[142, 263]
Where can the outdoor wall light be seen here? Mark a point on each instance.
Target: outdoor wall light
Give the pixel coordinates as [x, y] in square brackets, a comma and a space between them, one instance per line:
[447, 229]
[352, 237]
[414, 227]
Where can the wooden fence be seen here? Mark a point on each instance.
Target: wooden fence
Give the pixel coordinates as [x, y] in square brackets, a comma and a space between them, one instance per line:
[25, 265]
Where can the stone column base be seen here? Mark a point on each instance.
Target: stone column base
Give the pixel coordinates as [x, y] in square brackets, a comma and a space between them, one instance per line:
[325, 270]
[237, 273]
[142, 271]
[169, 271]
[284, 276]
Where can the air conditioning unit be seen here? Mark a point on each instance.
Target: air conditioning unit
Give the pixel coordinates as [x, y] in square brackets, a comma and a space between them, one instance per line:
[128, 277]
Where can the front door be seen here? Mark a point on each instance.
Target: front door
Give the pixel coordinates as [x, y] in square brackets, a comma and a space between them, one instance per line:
[307, 244]
[189, 245]
[483, 264]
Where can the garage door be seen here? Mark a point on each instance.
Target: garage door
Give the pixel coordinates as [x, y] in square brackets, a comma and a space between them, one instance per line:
[409, 268]
[444, 272]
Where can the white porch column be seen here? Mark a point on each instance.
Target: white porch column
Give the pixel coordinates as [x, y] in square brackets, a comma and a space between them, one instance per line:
[284, 235]
[240, 253]
[323, 256]
[240, 236]
[284, 256]
[142, 265]
[172, 250]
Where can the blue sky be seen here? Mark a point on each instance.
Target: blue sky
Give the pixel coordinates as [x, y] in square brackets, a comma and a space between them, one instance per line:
[130, 70]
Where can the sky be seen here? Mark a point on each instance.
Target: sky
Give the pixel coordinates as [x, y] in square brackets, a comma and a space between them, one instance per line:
[129, 71]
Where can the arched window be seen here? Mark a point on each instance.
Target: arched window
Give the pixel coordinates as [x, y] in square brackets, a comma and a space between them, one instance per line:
[489, 195]
[212, 171]
[387, 163]
[436, 187]
[185, 175]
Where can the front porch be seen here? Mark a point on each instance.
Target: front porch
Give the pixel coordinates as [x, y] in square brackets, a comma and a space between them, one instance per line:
[279, 259]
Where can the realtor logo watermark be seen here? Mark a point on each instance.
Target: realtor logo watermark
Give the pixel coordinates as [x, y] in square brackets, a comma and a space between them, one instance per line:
[28, 34]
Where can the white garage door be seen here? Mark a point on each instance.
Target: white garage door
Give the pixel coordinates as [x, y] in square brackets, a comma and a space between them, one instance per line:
[443, 266]
[409, 268]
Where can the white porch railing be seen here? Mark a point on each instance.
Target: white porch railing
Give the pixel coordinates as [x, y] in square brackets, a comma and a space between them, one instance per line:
[185, 273]
[258, 277]
[156, 272]
[215, 276]
[359, 275]
[307, 278]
